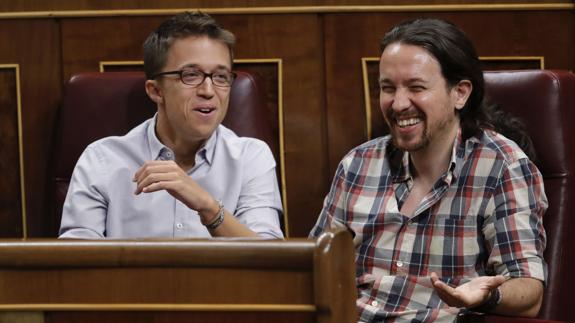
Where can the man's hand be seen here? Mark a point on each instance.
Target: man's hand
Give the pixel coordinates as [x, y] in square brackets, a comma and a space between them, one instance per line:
[167, 175]
[156, 175]
[471, 294]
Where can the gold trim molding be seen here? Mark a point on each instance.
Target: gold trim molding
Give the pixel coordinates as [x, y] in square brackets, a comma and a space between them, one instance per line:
[539, 59]
[279, 62]
[16, 68]
[366, 94]
[283, 184]
[103, 64]
[162, 307]
[294, 10]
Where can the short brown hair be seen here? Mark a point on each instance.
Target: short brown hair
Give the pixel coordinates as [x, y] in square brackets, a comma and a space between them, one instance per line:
[180, 26]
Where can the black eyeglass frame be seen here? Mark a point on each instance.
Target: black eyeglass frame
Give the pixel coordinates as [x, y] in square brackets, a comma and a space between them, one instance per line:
[205, 75]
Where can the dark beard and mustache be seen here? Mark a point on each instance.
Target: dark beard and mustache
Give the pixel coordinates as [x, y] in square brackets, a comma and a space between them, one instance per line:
[391, 118]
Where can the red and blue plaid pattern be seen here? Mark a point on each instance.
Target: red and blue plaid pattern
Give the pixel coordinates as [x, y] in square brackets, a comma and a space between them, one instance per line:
[482, 217]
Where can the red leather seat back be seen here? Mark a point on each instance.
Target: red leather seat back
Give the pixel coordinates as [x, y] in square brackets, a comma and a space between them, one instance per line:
[545, 101]
[98, 105]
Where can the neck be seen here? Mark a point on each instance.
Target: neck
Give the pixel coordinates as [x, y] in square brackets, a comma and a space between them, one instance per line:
[431, 162]
[185, 150]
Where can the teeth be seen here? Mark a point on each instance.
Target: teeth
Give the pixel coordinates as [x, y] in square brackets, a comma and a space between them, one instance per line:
[408, 122]
[206, 110]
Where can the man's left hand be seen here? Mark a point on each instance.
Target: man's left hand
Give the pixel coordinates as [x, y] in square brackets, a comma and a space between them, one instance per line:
[471, 294]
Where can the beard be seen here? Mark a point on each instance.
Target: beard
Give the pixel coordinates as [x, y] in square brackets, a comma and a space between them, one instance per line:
[429, 133]
[411, 146]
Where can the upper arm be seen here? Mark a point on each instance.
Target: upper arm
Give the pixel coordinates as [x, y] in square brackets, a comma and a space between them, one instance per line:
[515, 229]
[85, 207]
[334, 205]
[259, 203]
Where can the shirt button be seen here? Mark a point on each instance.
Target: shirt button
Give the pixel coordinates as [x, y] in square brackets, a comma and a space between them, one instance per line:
[169, 154]
[399, 264]
[179, 225]
[374, 303]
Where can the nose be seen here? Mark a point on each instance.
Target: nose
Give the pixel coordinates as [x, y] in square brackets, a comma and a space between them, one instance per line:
[401, 100]
[206, 89]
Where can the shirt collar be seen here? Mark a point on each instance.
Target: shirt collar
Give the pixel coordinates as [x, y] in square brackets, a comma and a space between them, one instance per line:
[159, 151]
[399, 159]
[154, 143]
[207, 152]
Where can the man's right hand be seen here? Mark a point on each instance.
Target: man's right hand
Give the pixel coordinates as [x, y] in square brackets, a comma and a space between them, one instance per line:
[159, 175]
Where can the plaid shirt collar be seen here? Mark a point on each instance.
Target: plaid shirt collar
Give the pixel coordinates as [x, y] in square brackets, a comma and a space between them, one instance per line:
[400, 162]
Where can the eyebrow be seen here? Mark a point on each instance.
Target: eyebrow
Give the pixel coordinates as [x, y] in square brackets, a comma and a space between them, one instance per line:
[219, 67]
[409, 81]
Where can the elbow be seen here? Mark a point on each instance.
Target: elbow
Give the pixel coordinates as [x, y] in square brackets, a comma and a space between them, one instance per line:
[533, 310]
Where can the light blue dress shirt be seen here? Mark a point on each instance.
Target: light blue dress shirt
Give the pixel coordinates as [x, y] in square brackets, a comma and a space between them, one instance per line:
[101, 202]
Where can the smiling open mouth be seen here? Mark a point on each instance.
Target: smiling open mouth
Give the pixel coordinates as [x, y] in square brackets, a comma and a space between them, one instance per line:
[205, 110]
[408, 122]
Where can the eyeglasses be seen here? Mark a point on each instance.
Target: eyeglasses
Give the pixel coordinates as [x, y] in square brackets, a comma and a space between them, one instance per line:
[195, 77]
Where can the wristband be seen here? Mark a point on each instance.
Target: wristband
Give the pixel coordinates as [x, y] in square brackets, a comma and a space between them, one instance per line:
[491, 303]
[219, 217]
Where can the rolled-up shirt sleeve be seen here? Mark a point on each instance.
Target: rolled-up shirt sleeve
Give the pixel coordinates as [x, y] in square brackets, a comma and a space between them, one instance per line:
[259, 204]
[515, 230]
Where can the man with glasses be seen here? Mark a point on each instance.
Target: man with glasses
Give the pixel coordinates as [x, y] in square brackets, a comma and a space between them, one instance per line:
[181, 173]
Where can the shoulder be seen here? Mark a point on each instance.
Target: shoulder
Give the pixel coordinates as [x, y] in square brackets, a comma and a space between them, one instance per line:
[495, 145]
[242, 147]
[123, 147]
[373, 149]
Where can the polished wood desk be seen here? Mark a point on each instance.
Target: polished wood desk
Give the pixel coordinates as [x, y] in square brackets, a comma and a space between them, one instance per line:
[219, 280]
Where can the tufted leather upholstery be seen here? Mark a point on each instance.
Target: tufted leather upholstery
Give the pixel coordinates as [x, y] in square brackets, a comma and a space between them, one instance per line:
[545, 101]
[98, 105]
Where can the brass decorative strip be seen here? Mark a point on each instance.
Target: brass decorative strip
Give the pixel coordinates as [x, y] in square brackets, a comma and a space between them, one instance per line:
[162, 307]
[540, 59]
[103, 64]
[293, 10]
[366, 96]
[279, 63]
[283, 184]
[16, 68]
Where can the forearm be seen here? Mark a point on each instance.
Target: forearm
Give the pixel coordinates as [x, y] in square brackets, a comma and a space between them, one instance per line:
[229, 226]
[520, 297]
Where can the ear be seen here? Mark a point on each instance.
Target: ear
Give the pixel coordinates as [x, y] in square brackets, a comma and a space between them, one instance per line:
[461, 93]
[154, 91]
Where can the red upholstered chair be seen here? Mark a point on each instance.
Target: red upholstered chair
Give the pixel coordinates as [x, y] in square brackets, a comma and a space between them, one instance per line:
[545, 101]
[98, 105]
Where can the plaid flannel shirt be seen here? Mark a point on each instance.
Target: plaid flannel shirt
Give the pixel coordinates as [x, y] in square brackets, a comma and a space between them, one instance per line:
[482, 217]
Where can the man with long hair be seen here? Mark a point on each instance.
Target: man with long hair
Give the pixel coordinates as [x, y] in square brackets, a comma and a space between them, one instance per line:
[446, 211]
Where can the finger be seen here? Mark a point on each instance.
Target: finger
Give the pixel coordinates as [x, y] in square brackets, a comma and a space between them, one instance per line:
[439, 284]
[496, 281]
[154, 178]
[447, 293]
[158, 186]
[154, 166]
[434, 277]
